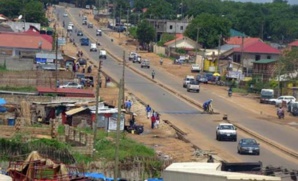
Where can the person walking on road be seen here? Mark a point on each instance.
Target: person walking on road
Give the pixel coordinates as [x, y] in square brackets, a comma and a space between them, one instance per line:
[161, 61]
[148, 111]
[153, 74]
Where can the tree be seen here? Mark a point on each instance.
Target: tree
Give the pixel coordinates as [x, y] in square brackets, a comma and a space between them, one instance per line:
[289, 63]
[145, 32]
[34, 12]
[211, 26]
[160, 9]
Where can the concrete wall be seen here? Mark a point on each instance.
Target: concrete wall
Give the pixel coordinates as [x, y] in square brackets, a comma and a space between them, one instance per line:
[159, 50]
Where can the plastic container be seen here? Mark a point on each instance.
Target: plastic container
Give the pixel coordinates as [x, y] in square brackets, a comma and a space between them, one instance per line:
[11, 121]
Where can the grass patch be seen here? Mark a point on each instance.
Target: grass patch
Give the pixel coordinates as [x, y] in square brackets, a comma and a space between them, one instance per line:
[128, 148]
[239, 90]
[18, 89]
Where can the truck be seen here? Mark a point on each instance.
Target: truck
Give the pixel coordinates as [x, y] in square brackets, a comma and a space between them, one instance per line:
[266, 95]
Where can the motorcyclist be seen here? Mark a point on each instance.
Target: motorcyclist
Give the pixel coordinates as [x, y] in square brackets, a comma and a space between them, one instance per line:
[230, 91]
[280, 113]
[153, 74]
[207, 105]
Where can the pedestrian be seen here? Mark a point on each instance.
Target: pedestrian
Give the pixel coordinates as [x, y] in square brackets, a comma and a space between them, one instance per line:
[129, 104]
[153, 120]
[148, 111]
[58, 83]
[153, 74]
[161, 61]
[157, 121]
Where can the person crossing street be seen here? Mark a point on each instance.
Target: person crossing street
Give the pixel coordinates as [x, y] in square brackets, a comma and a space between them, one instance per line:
[153, 74]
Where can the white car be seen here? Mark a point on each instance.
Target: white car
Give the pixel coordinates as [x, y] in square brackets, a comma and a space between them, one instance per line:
[71, 24]
[102, 54]
[93, 47]
[132, 55]
[72, 85]
[280, 99]
[65, 15]
[193, 86]
[226, 131]
[195, 68]
[187, 80]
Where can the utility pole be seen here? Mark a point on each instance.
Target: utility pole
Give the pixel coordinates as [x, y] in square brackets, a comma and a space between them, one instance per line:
[119, 19]
[241, 55]
[56, 57]
[278, 78]
[218, 52]
[123, 79]
[96, 103]
[116, 171]
[198, 32]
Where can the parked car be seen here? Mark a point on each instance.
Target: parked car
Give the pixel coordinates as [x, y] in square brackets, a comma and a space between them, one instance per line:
[209, 76]
[72, 85]
[80, 33]
[93, 47]
[132, 55]
[84, 18]
[293, 108]
[202, 79]
[65, 15]
[90, 25]
[266, 95]
[84, 41]
[145, 63]
[98, 32]
[280, 99]
[248, 146]
[193, 86]
[102, 54]
[226, 131]
[187, 80]
[195, 68]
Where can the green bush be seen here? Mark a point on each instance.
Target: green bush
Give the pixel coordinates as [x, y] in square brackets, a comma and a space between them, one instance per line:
[133, 32]
[20, 89]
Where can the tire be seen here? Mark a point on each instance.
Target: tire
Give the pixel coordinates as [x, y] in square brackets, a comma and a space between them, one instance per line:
[141, 66]
[188, 90]
[235, 140]
[198, 91]
[238, 151]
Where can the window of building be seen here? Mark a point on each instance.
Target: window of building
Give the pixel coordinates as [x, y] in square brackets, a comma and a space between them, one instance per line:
[171, 27]
[257, 57]
[181, 27]
[268, 56]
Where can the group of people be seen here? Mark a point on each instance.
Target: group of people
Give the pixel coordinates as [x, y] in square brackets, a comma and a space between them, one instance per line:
[154, 116]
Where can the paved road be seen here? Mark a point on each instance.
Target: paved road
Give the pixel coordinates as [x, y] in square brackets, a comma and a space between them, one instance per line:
[162, 101]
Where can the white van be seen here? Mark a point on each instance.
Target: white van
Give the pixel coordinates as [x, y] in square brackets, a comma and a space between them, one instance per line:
[102, 54]
[69, 28]
[93, 47]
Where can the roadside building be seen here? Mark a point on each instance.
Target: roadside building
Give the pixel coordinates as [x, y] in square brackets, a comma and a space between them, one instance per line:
[264, 68]
[25, 44]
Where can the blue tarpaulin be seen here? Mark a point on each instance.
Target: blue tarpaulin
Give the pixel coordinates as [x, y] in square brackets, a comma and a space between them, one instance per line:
[154, 179]
[2, 101]
[95, 175]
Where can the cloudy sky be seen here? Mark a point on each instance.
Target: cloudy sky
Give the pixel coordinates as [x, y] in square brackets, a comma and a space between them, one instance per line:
[266, 1]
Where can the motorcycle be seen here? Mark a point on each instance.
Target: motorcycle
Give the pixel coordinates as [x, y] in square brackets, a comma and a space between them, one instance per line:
[281, 115]
[230, 93]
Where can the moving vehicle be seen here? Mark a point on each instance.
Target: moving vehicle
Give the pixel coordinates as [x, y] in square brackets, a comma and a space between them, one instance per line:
[98, 32]
[69, 28]
[90, 25]
[132, 55]
[84, 17]
[71, 24]
[202, 79]
[137, 59]
[195, 68]
[281, 99]
[266, 95]
[193, 86]
[84, 22]
[145, 64]
[187, 80]
[248, 146]
[65, 15]
[93, 47]
[80, 33]
[226, 131]
[72, 85]
[84, 41]
[102, 54]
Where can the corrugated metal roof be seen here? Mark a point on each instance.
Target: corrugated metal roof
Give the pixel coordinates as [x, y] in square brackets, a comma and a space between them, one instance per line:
[264, 61]
[74, 111]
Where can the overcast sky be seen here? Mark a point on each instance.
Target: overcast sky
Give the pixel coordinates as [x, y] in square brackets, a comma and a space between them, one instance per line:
[266, 1]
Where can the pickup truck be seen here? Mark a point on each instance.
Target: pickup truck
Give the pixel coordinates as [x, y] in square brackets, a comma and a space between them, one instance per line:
[193, 86]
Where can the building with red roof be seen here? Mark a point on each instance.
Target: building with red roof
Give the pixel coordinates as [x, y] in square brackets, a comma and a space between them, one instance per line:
[182, 42]
[293, 44]
[30, 41]
[251, 50]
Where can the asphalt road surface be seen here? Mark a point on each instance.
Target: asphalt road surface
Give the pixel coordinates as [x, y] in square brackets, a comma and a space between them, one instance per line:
[164, 102]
